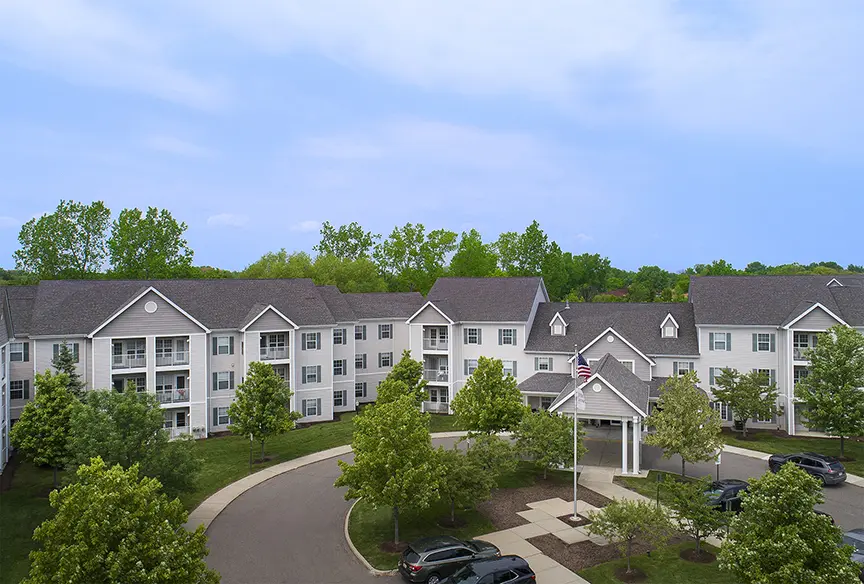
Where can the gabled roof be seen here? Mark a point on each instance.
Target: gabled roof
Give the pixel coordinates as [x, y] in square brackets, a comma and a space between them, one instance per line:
[669, 317]
[805, 308]
[769, 300]
[486, 299]
[545, 382]
[17, 302]
[612, 331]
[384, 304]
[558, 317]
[337, 304]
[623, 382]
[639, 323]
[262, 312]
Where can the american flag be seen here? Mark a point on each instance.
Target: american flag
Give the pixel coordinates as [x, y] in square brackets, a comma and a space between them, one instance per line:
[582, 367]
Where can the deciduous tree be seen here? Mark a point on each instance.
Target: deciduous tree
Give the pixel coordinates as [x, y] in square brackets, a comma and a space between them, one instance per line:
[394, 464]
[494, 455]
[522, 254]
[261, 407]
[473, 258]
[413, 259]
[489, 402]
[149, 246]
[42, 432]
[684, 422]
[66, 362]
[111, 525]
[777, 538]
[280, 264]
[624, 521]
[349, 242]
[68, 243]
[358, 275]
[750, 395]
[406, 378]
[126, 429]
[694, 513]
[832, 390]
[547, 439]
[461, 480]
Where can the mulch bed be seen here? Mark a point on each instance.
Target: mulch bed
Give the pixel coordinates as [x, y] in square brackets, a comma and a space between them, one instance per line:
[584, 554]
[568, 519]
[502, 507]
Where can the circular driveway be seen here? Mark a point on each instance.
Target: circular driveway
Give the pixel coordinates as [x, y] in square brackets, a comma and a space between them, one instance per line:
[290, 529]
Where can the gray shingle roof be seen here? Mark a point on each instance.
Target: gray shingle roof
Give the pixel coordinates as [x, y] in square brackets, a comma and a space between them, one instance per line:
[639, 323]
[385, 304]
[546, 382]
[18, 303]
[79, 306]
[770, 300]
[486, 299]
[337, 304]
[654, 386]
[624, 380]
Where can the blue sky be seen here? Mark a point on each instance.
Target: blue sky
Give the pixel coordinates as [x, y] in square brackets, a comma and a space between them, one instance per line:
[652, 132]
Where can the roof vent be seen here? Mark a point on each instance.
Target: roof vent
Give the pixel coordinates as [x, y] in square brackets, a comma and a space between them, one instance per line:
[567, 304]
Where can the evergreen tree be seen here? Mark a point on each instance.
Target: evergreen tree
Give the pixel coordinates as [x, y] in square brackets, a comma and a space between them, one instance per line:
[66, 362]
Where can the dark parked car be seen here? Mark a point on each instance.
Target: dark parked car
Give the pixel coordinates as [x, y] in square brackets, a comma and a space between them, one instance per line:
[725, 494]
[825, 468]
[432, 559]
[503, 570]
[855, 538]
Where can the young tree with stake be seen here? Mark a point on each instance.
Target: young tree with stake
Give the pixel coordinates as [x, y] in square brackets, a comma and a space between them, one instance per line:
[624, 521]
[693, 512]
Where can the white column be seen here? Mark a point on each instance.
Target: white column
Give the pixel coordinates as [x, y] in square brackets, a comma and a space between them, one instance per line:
[637, 437]
[624, 446]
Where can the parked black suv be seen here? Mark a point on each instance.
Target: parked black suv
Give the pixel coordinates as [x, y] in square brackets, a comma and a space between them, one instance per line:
[503, 570]
[855, 538]
[825, 468]
[725, 494]
[432, 559]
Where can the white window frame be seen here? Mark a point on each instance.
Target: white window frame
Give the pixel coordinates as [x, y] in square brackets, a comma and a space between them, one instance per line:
[766, 342]
[719, 338]
[313, 411]
[544, 363]
[385, 331]
[223, 376]
[17, 389]
[439, 395]
[508, 366]
[798, 374]
[669, 331]
[631, 363]
[546, 402]
[769, 420]
[676, 367]
[16, 348]
[475, 332]
[360, 361]
[340, 367]
[558, 330]
[723, 409]
[223, 342]
[359, 389]
[360, 332]
[340, 398]
[385, 359]
[511, 332]
[222, 413]
[310, 374]
[73, 348]
[472, 366]
[339, 336]
[284, 369]
[311, 342]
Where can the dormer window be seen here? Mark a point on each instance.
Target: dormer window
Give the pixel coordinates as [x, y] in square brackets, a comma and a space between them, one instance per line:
[669, 328]
[558, 326]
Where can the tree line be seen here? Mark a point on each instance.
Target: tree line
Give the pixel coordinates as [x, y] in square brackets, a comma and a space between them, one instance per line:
[79, 241]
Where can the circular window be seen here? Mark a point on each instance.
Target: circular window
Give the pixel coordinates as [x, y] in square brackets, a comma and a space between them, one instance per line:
[610, 339]
[150, 307]
[596, 387]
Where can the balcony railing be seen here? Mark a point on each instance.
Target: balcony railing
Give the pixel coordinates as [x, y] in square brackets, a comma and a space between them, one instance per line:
[799, 353]
[435, 407]
[435, 344]
[128, 361]
[175, 358]
[270, 353]
[174, 396]
[436, 375]
[177, 432]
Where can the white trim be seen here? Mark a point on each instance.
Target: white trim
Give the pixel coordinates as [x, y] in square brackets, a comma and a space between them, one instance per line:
[422, 308]
[623, 340]
[834, 281]
[609, 385]
[668, 316]
[559, 317]
[139, 297]
[744, 326]
[260, 314]
[811, 309]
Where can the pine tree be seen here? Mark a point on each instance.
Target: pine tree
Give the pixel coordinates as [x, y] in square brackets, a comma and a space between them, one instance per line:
[66, 361]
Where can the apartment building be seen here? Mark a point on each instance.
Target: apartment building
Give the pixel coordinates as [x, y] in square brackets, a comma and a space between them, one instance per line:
[190, 342]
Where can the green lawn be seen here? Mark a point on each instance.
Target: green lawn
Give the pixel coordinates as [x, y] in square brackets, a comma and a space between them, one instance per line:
[662, 567]
[648, 486]
[771, 444]
[226, 459]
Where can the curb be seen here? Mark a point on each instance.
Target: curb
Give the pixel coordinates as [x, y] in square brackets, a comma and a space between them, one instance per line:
[372, 569]
[851, 479]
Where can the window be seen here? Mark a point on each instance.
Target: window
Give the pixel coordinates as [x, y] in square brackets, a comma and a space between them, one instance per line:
[799, 374]
[542, 363]
[223, 380]
[558, 329]
[504, 577]
[438, 395]
[629, 364]
[470, 366]
[311, 341]
[385, 331]
[669, 331]
[762, 342]
[720, 341]
[164, 382]
[473, 336]
[506, 336]
[72, 347]
[281, 371]
[19, 351]
[714, 374]
[385, 359]
[19, 389]
[359, 389]
[340, 398]
[509, 367]
[769, 374]
[311, 407]
[360, 361]
[220, 417]
[681, 367]
[311, 374]
[360, 332]
[339, 336]
[340, 367]
[768, 420]
[545, 403]
[725, 412]
[223, 345]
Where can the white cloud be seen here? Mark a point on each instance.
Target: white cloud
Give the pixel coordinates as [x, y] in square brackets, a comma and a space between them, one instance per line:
[307, 226]
[176, 146]
[8, 222]
[227, 220]
[584, 237]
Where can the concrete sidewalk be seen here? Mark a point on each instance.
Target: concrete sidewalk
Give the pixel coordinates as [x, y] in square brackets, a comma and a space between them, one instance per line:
[851, 479]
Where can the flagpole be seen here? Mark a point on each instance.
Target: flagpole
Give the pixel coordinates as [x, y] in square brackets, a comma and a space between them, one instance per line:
[575, 431]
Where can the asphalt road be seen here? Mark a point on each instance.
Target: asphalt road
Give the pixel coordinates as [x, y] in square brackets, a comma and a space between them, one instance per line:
[289, 529]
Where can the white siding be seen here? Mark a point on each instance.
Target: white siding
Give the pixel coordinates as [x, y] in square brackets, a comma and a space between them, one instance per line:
[270, 321]
[429, 316]
[135, 321]
[817, 320]
[621, 351]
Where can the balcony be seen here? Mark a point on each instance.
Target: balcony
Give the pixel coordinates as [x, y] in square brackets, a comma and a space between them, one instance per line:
[128, 361]
[272, 353]
[177, 432]
[175, 396]
[799, 353]
[436, 407]
[436, 375]
[170, 359]
[435, 344]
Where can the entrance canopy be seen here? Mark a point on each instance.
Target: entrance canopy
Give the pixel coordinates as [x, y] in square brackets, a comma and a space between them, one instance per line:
[611, 392]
